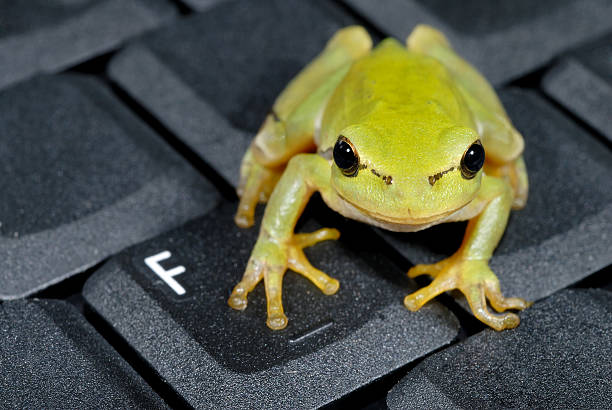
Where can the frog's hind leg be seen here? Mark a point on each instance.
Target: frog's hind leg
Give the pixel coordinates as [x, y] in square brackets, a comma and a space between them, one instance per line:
[502, 142]
[515, 173]
[256, 184]
[290, 127]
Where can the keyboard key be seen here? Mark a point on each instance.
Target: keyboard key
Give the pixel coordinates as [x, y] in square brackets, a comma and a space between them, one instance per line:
[48, 35]
[215, 90]
[503, 40]
[202, 5]
[52, 358]
[582, 82]
[557, 358]
[562, 235]
[82, 178]
[167, 298]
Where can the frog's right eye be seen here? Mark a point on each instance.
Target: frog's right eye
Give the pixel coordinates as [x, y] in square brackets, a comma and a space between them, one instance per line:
[345, 156]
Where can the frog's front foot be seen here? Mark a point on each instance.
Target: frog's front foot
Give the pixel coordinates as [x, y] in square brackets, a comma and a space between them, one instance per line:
[476, 281]
[269, 261]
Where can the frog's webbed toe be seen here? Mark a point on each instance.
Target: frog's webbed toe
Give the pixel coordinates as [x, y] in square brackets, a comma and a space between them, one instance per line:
[253, 274]
[427, 269]
[501, 303]
[476, 281]
[270, 260]
[300, 264]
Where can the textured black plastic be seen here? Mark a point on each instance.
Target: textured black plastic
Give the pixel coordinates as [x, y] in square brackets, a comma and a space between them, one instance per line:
[557, 358]
[203, 5]
[332, 345]
[47, 35]
[562, 235]
[82, 178]
[215, 89]
[582, 82]
[503, 40]
[50, 357]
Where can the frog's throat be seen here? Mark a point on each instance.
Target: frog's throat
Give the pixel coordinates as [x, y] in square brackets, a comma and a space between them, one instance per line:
[404, 224]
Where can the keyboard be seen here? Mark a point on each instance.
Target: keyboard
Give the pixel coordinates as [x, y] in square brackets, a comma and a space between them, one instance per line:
[122, 128]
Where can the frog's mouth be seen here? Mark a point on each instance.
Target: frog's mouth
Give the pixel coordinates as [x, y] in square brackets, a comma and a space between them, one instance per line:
[406, 223]
[404, 219]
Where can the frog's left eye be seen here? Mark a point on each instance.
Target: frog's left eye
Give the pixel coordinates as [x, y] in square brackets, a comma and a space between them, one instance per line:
[345, 156]
[473, 160]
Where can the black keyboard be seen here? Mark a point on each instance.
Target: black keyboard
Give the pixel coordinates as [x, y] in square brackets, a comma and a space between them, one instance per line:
[122, 128]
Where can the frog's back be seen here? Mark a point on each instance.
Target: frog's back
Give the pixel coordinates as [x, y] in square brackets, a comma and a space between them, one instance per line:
[392, 83]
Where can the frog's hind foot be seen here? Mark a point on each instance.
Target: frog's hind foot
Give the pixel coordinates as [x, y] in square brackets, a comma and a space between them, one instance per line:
[476, 281]
[256, 185]
[269, 262]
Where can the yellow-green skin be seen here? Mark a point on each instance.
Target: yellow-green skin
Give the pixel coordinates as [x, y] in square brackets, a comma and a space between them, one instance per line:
[410, 114]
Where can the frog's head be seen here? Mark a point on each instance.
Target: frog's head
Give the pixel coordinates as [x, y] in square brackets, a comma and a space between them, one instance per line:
[410, 173]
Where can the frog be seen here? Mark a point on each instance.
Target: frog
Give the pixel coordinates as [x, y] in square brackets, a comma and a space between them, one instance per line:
[398, 136]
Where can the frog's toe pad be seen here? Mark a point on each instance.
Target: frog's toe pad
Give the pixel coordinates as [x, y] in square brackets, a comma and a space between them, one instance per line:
[498, 322]
[477, 297]
[277, 321]
[501, 303]
[411, 304]
[509, 321]
[237, 302]
[243, 220]
[415, 300]
[331, 287]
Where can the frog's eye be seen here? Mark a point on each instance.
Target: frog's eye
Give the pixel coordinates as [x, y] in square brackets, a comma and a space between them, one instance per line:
[472, 160]
[345, 156]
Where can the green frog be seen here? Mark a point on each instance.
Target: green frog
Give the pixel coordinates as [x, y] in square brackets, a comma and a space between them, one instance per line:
[394, 136]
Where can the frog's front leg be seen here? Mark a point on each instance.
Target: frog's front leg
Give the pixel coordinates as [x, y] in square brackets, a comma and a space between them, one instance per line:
[468, 269]
[277, 247]
[290, 127]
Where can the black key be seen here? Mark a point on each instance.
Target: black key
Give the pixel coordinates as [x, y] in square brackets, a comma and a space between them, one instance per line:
[48, 35]
[215, 89]
[203, 5]
[168, 299]
[504, 40]
[81, 178]
[563, 234]
[557, 358]
[582, 82]
[50, 357]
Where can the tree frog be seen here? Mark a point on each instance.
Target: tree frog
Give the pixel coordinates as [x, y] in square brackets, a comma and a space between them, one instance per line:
[394, 136]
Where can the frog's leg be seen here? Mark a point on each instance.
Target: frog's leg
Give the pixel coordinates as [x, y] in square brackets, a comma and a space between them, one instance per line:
[468, 269]
[289, 128]
[502, 142]
[516, 174]
[277, 247]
